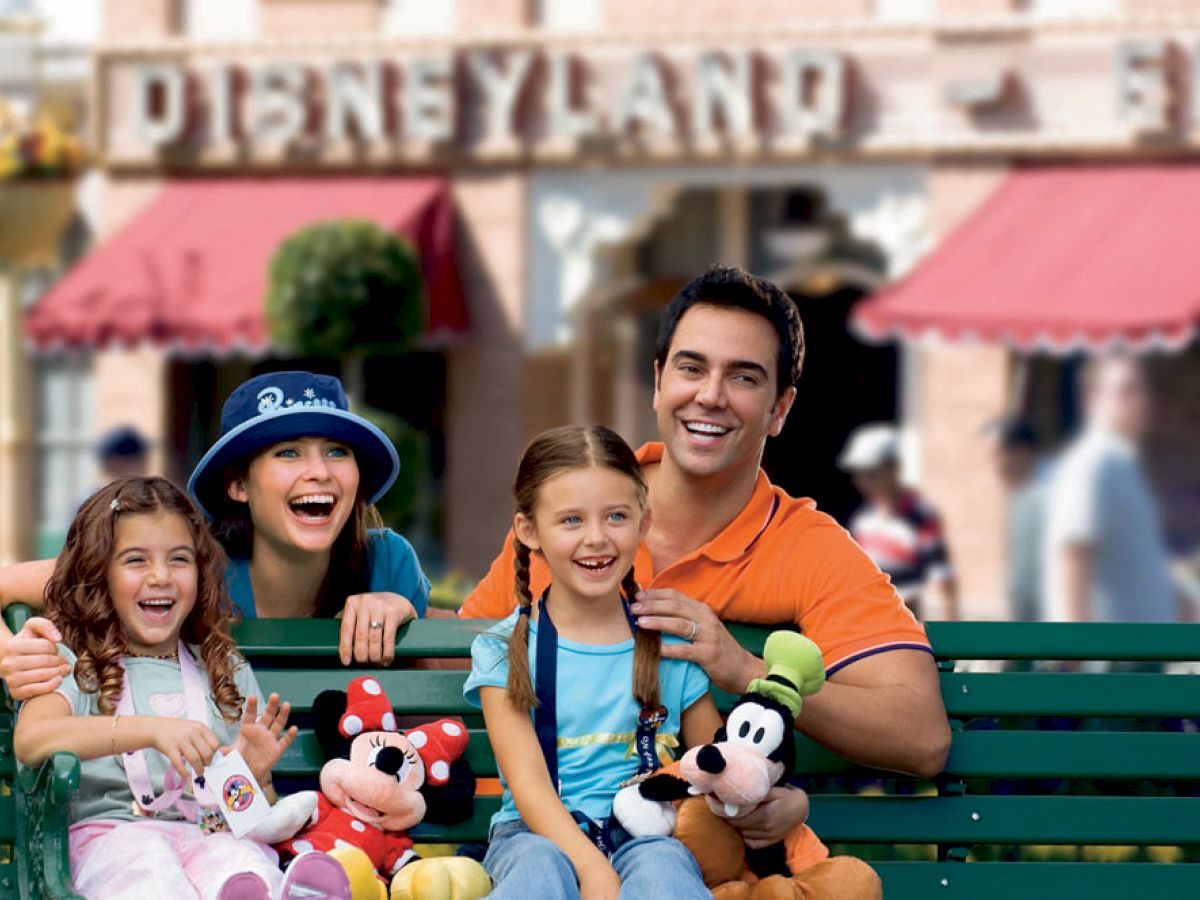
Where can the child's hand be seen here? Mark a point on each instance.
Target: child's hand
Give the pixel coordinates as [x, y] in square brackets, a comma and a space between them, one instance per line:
[599, 882]
[262, 740]
[185, 743]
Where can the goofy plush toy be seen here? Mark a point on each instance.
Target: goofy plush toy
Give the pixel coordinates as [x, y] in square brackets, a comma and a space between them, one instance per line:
[378, 783]
[754, 751]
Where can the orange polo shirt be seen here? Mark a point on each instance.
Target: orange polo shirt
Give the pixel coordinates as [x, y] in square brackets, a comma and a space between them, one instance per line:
[778, 561]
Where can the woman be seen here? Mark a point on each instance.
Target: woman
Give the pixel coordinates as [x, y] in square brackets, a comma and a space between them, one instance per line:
[288, 487]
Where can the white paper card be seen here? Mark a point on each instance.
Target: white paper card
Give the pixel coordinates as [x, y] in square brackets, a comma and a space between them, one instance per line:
[232, 787]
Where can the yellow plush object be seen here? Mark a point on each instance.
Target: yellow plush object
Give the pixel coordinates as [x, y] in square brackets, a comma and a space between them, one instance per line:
[441, 878]
[438, 878]
[365, 884]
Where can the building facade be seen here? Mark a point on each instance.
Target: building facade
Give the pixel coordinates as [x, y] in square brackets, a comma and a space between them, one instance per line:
[598, 153]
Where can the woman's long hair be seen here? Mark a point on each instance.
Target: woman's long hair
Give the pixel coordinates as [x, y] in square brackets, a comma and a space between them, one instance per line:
[347, 574]
[550, 453]
[79, 603]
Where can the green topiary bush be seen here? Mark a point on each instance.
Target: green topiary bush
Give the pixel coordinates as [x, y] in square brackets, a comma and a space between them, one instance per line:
[343, 287]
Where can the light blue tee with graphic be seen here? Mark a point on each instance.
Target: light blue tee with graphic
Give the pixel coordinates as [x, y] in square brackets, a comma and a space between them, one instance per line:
[596, 710]
[392, 566]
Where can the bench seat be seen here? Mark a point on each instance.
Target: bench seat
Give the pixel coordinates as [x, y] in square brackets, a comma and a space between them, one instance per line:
[1047, 768]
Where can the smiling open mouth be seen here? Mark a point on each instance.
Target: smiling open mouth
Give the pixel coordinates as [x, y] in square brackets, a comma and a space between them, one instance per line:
[313, 507]
[706, 431]
[159, 608]
[596, 565]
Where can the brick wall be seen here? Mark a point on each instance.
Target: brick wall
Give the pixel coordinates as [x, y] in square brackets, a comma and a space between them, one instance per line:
[131, 19]
[316, 17]
[698, 13]
[962, 387]
[486, 393]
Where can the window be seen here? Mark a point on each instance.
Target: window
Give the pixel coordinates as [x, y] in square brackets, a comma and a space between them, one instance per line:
[63, 444]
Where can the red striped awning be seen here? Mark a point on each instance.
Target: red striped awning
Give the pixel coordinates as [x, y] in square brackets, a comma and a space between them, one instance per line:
[1061, 258]
[190, 270]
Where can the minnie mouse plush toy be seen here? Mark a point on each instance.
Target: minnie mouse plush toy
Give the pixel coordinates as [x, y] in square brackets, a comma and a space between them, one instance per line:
[378, 783]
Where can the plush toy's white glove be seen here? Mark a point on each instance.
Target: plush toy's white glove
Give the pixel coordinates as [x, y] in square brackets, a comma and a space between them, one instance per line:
[642, 817]
[286, 818]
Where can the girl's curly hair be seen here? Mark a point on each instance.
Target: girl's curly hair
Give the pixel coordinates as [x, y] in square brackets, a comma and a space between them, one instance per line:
[79, 603]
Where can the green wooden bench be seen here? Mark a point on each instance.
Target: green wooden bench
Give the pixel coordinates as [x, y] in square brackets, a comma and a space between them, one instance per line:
[1010, 794]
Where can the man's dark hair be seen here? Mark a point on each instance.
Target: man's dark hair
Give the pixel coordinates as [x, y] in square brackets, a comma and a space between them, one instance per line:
[728, 287]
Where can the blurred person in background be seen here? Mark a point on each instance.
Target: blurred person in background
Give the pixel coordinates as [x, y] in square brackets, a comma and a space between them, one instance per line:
[895, 526]
[122, 451]
[1106, 558]
[1014, 449]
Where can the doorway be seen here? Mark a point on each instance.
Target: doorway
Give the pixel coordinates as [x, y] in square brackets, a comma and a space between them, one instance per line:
[845, 383]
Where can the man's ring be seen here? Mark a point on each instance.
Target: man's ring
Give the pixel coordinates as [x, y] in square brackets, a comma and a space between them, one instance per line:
[376, 624]
[695, 633]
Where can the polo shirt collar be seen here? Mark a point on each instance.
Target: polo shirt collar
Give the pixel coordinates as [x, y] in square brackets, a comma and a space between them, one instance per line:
[738, 536]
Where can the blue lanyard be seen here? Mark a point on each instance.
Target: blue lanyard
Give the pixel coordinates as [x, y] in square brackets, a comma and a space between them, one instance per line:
[545, 717]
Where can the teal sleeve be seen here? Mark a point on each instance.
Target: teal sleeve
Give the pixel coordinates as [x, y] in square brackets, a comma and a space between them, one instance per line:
[489, 663]
[395, 568]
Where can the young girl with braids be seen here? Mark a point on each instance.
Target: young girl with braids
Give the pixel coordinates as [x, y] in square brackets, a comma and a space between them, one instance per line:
[157, 689]
[576, 699]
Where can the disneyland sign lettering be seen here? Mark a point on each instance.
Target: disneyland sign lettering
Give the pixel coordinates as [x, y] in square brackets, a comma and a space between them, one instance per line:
[481, 101]
[863, 92]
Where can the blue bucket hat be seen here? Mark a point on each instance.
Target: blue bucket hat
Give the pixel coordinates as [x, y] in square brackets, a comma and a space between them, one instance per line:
[281, 406]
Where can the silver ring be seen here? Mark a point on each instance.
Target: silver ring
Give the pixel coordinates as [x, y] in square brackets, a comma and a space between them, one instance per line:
[695, 632]
[376, 624]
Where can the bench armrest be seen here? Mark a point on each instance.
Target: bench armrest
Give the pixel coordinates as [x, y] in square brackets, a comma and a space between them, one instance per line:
[44, 799]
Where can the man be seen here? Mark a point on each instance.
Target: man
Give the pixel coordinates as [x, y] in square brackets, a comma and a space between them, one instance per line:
[896, 527]
[725, 543]
[1014, 452]
[1106, 559]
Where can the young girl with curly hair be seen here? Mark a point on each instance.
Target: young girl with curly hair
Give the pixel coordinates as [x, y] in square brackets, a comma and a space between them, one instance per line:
[157, 689]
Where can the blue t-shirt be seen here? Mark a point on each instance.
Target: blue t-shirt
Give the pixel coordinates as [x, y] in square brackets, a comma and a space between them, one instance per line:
[597, 712]
[392, 565]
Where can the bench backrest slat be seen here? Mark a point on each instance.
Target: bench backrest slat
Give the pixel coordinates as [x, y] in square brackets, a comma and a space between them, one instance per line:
[1005, 820]
[1065, 641]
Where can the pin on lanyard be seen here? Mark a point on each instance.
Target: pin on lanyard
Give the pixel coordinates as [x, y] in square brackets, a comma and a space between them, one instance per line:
[137, 772]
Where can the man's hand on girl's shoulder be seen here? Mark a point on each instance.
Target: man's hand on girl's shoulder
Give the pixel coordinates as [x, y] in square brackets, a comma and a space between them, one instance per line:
[708, 642]
[29, 661]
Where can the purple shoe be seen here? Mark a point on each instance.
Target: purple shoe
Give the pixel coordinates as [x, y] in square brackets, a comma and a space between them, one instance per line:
[317, 876]
[244, 886]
